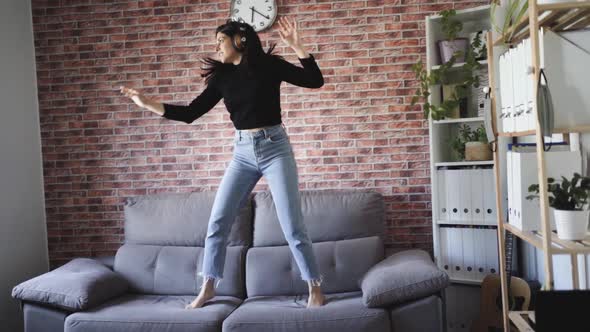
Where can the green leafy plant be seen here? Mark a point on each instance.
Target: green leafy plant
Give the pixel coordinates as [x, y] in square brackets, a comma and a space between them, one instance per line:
[465, 76]
[515, 10]
[466, 134]
[450, 26]
[570, 194]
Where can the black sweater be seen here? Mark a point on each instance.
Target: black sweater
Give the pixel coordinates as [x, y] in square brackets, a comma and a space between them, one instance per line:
[253, 100]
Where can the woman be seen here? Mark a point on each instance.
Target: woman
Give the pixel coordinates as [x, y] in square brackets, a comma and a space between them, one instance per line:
[248, 80]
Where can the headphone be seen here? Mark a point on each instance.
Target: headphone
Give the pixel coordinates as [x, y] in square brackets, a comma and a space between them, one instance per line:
[240, 43]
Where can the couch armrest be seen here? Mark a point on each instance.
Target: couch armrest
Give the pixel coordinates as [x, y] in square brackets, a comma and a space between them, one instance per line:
[80, 284]
[404, 276]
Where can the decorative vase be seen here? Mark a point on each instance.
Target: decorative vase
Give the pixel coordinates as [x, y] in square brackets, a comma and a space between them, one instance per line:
[571, 225]
[448, 47]
[475, 151]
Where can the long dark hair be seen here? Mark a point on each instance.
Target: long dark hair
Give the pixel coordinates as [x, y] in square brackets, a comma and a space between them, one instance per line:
[252, 54]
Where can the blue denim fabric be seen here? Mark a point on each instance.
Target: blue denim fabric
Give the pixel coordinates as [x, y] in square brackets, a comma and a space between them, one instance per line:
[266, 152]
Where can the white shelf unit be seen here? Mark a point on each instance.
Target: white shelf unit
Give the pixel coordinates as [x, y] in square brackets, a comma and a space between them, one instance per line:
[441, 131]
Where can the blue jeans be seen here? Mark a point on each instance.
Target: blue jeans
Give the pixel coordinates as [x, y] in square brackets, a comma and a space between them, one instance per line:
[266, 152]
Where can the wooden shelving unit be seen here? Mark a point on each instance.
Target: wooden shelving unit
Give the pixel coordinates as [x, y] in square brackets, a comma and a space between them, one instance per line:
[557, 17]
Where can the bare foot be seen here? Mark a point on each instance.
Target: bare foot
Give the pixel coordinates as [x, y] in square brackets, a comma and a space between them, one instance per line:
[316, 299]
[203, 297]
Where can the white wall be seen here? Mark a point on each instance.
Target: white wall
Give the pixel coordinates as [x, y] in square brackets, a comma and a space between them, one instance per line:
[23, 235]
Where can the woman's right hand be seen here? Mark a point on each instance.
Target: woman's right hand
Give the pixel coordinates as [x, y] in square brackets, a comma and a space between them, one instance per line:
[139, 99]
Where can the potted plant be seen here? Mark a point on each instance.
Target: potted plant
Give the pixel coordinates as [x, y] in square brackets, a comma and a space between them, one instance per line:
[514, 11]
[471, 144]
[568, 201]
[447, 73]
[451, 45]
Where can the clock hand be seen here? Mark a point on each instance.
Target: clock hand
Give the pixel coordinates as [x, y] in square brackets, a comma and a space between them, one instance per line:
[252, 19]
[267, 17]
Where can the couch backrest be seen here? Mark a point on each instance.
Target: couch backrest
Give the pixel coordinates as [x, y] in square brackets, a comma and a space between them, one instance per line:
[346, 228]
[164, 239]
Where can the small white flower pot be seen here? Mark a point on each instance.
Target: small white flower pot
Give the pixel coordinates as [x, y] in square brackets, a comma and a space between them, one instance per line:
[571, 225]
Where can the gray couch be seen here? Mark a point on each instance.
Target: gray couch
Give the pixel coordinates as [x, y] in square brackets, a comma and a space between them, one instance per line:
[146, 286]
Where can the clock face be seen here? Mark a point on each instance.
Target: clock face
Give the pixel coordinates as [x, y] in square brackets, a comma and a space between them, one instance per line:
[260, 14]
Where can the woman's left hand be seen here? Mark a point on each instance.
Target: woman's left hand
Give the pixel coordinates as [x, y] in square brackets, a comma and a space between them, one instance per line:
[288, 32]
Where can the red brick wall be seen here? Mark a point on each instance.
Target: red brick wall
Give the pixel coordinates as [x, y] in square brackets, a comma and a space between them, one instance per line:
[357, 131]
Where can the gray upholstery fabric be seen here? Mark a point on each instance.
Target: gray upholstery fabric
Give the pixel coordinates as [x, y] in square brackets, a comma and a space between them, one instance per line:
[329, 215]
[180, 219]
[421, 315]
[108, 261]
[173, 270]
[273, 270]
[341, 313]
[77, 285]
[404, 276]
[40, 318]
[142, 313]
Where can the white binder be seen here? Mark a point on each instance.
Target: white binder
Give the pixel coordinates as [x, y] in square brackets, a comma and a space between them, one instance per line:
[443, 259]
[530, 83]
[456, 252]
[491, 251]
[520, 77]
[443, 214]
[478, 191]
[511, 100]
[468, 254]
[453, 195]
[465, 197]
[480, 253]
[503, 94]
[509, 184]
[489, 196]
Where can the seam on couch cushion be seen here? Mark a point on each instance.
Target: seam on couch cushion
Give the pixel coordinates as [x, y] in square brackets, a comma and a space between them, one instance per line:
[403, 288]
[308, 321]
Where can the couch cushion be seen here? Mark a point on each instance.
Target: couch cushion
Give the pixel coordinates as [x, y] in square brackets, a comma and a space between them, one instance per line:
[329, 215]
[180, 219]
[421, 315]
[401, 277]
[42, 318]
[173, 270]
[273, 270]
[77, 285]
[141, 313]
[340, 312]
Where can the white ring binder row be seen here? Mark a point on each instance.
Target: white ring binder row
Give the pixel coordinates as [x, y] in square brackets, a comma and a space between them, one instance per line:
[466, 196]
[468, 252]
[561, 55]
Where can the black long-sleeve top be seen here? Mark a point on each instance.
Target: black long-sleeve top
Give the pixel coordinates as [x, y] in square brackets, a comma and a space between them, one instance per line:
[253, 101]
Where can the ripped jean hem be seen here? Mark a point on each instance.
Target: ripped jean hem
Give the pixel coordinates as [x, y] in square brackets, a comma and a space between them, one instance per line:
[209, 277]
[315, 282]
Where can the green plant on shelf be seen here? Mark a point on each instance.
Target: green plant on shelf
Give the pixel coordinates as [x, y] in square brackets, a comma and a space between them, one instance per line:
[570, 194]
[466, 134]
[514, 11]
[450, 26]
[464, 76]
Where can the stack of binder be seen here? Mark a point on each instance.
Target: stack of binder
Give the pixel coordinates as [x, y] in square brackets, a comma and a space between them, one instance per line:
[521, 163]
[468, 253]
[466, 196]
[563, 57]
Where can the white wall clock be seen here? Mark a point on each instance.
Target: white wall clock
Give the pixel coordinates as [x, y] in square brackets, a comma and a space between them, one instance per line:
[260, 14]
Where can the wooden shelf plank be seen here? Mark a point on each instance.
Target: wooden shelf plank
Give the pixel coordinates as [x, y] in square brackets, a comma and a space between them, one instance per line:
[560, 17]
[576, 129]
[460, 64]
[459, 120]
[558, 246]
[464, 163]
